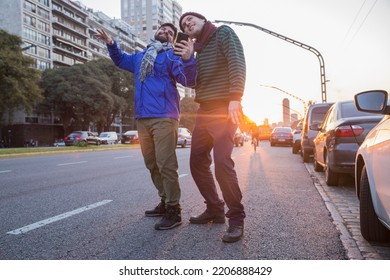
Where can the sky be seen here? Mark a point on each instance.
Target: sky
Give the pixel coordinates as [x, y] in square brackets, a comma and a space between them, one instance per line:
[352, 36]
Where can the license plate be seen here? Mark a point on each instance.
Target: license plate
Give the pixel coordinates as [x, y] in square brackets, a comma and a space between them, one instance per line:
[282, 140]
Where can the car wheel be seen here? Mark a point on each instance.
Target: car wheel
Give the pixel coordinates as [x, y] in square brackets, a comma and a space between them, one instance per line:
[317, 167]
[370, 226]
[331, 177]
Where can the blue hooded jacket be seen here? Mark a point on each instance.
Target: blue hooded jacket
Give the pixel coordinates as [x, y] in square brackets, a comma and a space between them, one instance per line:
[157, 96]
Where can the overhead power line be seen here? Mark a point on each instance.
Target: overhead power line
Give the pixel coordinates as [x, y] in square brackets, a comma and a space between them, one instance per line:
[364, 20]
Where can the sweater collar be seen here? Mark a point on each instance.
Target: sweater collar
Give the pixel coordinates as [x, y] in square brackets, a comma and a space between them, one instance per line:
[207, 31]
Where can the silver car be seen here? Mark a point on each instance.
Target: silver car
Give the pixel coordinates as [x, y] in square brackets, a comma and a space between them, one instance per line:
[372, 176]
[184, 137]
[314, 116]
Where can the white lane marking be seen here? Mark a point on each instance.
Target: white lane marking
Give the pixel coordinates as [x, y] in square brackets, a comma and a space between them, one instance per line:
[182, 175]
[5, 171]
[71, 163]
[57, 218]
[123, 157]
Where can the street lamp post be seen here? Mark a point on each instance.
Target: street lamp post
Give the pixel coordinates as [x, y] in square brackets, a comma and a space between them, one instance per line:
[294, 42]
[296, 97]
[27, 47]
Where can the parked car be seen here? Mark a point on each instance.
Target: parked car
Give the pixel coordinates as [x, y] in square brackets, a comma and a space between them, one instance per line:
[80, 137]
[281, 136]
[372, 179]
[339, 137]
[239, 138]
[296, 146]
[109, 137]
[314, 115]
[130, 137]
[59, 143]
[184, 137]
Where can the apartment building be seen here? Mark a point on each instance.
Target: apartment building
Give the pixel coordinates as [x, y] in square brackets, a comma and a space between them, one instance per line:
[147, 15]
[56, 33]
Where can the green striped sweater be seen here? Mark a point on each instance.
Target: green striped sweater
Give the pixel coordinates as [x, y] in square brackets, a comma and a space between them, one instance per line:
[221, 68]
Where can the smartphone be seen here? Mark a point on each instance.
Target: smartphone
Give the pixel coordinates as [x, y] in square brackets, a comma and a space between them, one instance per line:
[182, 36]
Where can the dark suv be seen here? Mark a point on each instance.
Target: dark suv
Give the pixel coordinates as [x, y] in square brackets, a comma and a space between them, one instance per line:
[81, 137]
[314, 116]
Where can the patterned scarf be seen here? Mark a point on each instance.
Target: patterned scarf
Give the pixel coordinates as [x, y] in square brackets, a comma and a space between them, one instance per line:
[207, 30]
[147, 63]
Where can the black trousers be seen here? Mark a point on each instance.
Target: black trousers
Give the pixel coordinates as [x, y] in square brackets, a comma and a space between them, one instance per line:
[214, 132]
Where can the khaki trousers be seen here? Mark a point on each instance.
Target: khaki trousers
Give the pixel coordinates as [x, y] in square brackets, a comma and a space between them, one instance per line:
[158, 140]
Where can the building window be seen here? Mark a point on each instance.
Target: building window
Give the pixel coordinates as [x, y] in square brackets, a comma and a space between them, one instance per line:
[44, 2]
[56, 7]
[43, 13]
[43, 65]
[29, 6]
[29, 20]
[30, 34]
[43, 26]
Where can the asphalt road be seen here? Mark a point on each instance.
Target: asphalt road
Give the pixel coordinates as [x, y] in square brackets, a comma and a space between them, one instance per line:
[90, 206]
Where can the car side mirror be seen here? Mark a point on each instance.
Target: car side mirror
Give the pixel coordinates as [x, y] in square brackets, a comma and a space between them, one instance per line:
[373, 101]
[315, 127]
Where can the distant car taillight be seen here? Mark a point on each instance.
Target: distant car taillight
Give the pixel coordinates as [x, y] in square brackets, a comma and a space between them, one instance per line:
[349, 131]
[78, 138]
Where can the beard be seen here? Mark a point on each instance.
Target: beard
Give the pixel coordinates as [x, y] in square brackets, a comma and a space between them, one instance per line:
[160, 38]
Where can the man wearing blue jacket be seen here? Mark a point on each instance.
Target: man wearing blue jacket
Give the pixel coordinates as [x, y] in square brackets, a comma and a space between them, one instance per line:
[156, 70]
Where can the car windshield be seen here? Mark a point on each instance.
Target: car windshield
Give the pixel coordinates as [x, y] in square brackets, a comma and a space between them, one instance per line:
[103, 134]
[318, 114]
[131, 133]
[282, 129]
[75, 134]
[349, 110]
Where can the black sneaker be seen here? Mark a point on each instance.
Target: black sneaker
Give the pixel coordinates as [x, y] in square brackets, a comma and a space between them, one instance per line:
[171, 219]
[158, 211]
[233, 234]
[207, 217]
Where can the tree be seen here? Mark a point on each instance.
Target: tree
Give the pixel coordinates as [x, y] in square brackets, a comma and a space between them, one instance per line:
[122, 85]
[188, 109]
[94, 92]
[19, 87]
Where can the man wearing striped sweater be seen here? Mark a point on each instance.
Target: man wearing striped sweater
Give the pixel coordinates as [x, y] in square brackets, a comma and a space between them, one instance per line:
[219, 88]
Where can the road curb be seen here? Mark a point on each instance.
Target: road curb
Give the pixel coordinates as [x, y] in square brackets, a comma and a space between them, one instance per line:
[348, 241]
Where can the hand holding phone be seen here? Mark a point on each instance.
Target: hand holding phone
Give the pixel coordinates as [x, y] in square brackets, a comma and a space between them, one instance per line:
[182, 36]
[183, 46]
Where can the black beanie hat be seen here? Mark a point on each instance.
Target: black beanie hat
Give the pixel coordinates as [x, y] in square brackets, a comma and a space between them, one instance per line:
[190, 14]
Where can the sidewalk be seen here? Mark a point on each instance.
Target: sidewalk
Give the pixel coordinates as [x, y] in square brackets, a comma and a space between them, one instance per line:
[343, 205]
